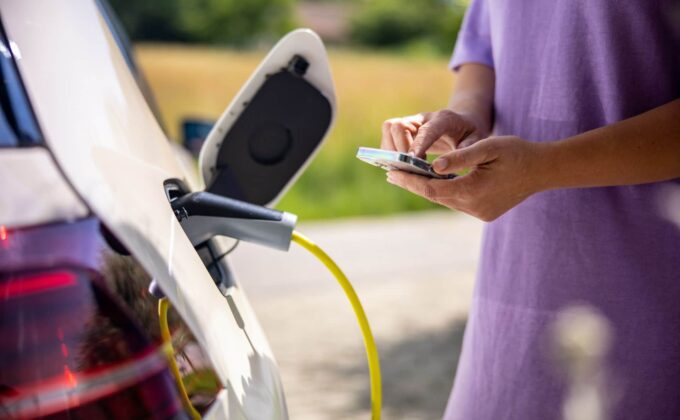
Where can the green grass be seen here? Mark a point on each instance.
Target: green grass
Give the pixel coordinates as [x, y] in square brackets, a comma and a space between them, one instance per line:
[370, 87]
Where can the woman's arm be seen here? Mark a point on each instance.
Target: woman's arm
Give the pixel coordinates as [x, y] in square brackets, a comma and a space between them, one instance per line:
[507, 170]
[466, 120]
[645, 148]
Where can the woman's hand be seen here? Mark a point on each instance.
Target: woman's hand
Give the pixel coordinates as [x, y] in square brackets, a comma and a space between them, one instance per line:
[434, 132]
[503, 172]
[446, 130]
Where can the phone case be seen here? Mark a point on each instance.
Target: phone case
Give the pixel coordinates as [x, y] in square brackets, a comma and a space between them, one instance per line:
[391, 160]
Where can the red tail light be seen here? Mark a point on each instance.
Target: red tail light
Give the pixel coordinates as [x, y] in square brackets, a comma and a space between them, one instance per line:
[67, 349]
[39, 283]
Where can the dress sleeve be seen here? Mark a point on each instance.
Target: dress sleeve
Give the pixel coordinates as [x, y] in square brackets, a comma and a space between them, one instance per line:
[474, 39]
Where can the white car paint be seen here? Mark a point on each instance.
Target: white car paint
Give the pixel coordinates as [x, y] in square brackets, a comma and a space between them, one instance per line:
[29, 176]
[109, 146]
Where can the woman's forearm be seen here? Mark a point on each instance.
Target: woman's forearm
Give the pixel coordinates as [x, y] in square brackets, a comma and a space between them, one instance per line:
[641, 149]
[473, 95]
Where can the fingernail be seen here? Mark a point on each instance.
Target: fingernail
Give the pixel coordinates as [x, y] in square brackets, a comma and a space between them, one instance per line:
[390, 178]
[440, 164]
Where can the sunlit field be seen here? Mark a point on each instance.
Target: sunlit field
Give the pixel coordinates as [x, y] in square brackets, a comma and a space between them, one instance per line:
[370, 87]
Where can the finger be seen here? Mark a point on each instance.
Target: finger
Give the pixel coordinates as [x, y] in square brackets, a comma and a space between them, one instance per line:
[428, 133]
[401, 141]
[455, 193]
[387, 142]
[409, 136]
[483, 151]
[419, 119]
[411, 126]
[428, 188]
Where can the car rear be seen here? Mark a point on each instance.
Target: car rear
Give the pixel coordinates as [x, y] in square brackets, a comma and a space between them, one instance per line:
[72, 345]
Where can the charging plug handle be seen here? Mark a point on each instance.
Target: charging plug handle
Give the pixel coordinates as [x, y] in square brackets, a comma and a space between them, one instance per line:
[204, 215]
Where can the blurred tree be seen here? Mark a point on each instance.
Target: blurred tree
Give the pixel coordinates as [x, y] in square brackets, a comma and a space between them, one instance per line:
[235, 22]
[150, 20]
[395, 23]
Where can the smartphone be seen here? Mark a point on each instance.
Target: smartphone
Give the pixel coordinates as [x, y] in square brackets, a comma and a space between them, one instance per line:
[391, 160]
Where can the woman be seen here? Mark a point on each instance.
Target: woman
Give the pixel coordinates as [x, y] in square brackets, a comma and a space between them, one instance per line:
[580, 100]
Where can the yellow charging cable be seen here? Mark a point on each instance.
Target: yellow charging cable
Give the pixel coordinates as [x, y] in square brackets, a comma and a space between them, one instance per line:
[369, 342]
[163, 306]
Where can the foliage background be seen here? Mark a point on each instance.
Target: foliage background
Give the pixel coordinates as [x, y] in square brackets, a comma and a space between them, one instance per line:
[430, 24]
[226, 22]
[393, 63]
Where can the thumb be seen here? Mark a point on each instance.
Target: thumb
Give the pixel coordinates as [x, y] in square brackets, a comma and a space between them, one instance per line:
[469, 141]
[478, 153]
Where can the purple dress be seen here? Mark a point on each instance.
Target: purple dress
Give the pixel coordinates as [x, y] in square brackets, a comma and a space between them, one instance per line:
[563, 67]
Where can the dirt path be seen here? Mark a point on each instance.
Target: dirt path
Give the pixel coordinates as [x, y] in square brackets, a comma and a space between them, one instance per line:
[414, 275]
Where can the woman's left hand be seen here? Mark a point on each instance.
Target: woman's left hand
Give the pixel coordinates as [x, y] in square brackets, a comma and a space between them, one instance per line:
[503, 172]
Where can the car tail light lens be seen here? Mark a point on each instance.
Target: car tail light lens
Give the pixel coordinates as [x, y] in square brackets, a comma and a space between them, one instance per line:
[67, 348]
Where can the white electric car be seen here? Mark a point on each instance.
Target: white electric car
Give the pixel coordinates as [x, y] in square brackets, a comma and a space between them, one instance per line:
[87, 175]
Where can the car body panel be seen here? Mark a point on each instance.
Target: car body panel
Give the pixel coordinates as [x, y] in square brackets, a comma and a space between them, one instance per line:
[110, 148]
[27, 174]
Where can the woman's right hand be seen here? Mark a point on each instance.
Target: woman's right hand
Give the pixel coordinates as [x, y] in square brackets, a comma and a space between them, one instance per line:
[435, 132]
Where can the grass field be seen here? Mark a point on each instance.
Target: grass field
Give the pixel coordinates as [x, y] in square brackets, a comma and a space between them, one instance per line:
[370, 87]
